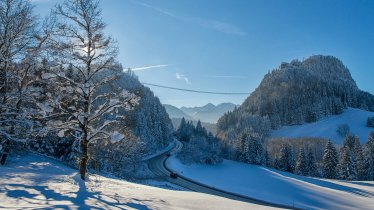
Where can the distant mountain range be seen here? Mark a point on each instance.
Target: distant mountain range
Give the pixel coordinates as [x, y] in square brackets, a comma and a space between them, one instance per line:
[209, 113]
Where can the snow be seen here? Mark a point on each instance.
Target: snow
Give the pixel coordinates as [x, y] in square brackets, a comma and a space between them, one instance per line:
[279, 187]
[116, 137]
[34, 182]
[326, 128]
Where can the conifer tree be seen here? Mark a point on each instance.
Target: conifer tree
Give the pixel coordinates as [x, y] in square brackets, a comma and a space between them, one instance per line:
[267, 159]
[360, 162]
[369, 158]
[301, 164]
[311, 165]
[286, 160]
[330, 161]
[348, 163]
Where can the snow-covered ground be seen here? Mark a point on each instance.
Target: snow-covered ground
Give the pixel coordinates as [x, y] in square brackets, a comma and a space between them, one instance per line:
[326, 128]
[280, 187]
[34, 182]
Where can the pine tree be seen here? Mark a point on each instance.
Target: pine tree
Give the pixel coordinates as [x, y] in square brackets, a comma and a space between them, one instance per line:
[348, 163]
[369, 157]
[311, 165]
[360, 162]
[301, 164]
[242, 148]
[182, 130]
[200, 130]
[286, 160]
[267, 159]
[330, 161]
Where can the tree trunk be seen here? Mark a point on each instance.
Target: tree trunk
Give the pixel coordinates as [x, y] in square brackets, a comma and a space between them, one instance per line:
[83, 163]
[5, 152]
[84, 141]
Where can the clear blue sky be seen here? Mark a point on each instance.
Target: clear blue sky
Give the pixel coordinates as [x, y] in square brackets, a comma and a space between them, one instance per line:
[228, 46]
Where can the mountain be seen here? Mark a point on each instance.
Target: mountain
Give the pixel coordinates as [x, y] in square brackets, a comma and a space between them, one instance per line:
[296, 93]
[176, 113]
[208, 113]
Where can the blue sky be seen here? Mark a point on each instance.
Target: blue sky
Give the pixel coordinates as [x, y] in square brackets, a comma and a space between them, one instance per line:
[228, 46]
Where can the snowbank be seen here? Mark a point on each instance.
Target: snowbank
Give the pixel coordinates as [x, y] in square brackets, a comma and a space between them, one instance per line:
[34, 182]
[326, 128]
[279, 187]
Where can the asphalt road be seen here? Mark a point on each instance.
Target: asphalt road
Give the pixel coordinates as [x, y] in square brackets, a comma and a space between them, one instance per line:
[157, 165]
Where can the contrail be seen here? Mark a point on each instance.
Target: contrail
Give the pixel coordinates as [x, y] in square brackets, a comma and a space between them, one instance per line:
[149, 67]
[194, 91]
[229, 76]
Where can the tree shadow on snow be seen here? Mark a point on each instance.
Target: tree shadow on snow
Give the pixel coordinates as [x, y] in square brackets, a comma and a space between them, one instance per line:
[327, 184]
[97, 200]
[362, 183]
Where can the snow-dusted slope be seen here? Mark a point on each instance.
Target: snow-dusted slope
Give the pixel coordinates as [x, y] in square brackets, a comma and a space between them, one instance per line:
[33, 182]
[326, 127]
[280, 187]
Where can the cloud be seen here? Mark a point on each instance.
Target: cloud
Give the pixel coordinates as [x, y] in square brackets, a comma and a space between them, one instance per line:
[180, 76]
[220, 26]
[229, 76]
[223, 27]
[150, 67]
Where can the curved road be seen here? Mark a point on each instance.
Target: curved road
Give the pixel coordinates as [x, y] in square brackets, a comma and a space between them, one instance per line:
[157, 165]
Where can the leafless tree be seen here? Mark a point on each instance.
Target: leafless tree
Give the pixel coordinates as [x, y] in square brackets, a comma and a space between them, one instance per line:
[81, 66]
[17, 44]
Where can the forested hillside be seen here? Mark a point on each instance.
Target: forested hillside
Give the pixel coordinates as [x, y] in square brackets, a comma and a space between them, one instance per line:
[299, 92]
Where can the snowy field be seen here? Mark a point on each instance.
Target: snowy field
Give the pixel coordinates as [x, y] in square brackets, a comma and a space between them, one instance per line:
[280, 187]
[34, 182]
[326, 127]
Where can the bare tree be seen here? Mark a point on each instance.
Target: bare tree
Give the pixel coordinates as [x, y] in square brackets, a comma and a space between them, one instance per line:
[17, 44]
[82, 66]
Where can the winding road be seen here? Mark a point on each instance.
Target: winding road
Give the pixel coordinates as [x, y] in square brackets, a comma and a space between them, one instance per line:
[157, 166]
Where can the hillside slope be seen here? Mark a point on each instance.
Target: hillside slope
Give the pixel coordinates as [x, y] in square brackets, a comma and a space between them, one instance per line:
[40, 183]
[280, 187]
[326, 127]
